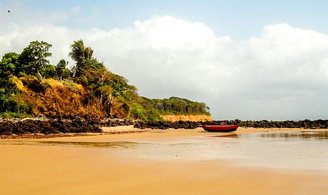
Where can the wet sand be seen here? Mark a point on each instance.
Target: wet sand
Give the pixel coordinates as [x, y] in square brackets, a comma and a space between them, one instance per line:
[56, 169]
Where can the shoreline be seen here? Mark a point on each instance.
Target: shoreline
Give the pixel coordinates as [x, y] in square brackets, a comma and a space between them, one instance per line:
[106, 131]
[130, 129]
[43, 127]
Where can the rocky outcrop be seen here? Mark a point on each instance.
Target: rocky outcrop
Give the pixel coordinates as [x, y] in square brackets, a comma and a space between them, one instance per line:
[305, 124]
[45, 127]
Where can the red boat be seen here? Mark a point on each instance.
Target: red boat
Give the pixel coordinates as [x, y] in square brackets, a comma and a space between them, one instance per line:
[220, 128]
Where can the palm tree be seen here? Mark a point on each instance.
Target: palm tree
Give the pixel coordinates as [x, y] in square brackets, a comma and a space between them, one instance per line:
[81, 54]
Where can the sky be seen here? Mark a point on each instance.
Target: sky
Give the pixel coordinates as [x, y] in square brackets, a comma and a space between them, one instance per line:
[250, 60]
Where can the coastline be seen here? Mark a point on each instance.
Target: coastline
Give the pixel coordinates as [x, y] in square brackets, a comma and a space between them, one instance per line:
[130, 129]
[44, 127]
[105, 131]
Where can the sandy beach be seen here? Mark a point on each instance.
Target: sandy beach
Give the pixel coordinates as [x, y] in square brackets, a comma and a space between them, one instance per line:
[69, 169]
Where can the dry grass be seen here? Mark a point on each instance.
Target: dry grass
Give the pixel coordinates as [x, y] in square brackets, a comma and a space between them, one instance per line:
[64, 98]
[19, 84]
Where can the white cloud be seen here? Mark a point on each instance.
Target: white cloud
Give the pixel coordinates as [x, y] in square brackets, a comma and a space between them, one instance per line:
[280, 74]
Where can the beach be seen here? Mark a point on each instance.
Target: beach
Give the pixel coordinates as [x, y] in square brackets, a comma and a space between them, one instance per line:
[77, 165]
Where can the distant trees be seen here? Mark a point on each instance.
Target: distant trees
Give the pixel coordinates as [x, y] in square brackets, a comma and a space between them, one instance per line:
[176, 105]
[152, 109]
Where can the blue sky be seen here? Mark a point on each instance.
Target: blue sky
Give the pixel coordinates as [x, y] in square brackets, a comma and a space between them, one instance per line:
[239, 19]
[246, 59]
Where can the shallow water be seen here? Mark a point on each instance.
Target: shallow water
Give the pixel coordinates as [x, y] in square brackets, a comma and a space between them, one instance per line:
[303, 150]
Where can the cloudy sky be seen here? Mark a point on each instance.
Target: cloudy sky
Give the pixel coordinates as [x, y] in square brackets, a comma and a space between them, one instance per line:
[246, 59]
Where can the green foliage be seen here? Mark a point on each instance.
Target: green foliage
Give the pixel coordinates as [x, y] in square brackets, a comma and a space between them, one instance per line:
[62, 72]
[175, 105]
[11, 105]
[80, 53]
[6, 103]
[8, 64]
[34, 58]
[122, 88]
[48, 71]
[137, 112]
[84, 59]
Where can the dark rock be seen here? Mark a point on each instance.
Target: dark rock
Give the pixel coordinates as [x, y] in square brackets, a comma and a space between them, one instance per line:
[46, 127]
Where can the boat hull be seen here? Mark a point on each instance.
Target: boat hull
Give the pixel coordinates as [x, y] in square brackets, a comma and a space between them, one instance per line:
[220, 128]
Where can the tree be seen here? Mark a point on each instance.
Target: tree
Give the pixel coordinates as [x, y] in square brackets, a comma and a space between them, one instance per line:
[62, 70]
[34, 58]
[8, 64]
[82, 55]
[48, 71]
[85, 62]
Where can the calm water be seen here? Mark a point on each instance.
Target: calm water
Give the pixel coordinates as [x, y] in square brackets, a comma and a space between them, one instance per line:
[304, 150]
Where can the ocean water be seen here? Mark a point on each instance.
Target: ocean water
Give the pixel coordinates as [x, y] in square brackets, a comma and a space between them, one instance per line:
[304, 150]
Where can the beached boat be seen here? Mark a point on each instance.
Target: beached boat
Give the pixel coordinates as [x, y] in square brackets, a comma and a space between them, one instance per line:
[220, 128]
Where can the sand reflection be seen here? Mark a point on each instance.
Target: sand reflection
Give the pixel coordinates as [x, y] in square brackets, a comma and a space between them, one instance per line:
[115, 144]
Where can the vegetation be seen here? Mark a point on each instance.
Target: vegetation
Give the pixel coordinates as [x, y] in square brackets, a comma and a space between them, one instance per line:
[175, 105]
[31, 86]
